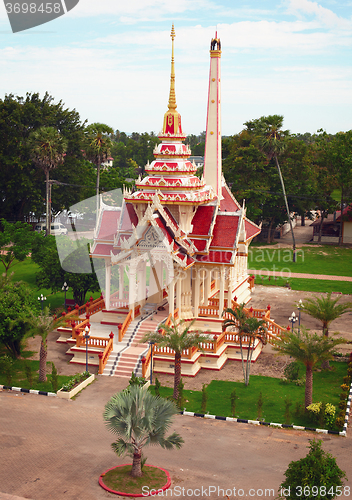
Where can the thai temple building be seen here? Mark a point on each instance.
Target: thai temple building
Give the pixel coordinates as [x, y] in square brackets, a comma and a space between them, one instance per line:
[176, 248]
[188, 231]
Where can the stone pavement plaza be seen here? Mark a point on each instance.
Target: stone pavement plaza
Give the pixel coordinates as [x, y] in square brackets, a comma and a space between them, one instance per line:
[55, 449]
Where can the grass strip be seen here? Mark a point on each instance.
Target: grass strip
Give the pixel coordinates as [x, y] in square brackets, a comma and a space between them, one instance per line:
[307, 284]
[323, 259]
[326, 388]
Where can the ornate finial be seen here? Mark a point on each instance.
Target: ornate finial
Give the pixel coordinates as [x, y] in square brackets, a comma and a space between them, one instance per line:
[172, 119]
[172, 98]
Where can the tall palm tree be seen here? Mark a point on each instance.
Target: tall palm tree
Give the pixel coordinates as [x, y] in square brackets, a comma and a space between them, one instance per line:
[139, 419]
[177, 337]
[97, 149]
[48, 149]
[326, 310]
[271, 140]
[249, 328]
[308, 348]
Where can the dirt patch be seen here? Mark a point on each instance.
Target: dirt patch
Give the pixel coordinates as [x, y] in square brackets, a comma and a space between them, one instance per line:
[269, 365]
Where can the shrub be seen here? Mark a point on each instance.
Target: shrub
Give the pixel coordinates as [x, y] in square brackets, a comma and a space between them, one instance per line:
[204, 398]
[54, 381]
[292, 371]
[75, 380]
[288, 403]
[316, 474]
[6, 366]
[340, 422]
[134, 380]
[157, 387]
[343, 405]
[301, 382]
[345, 387]
[181, 399]
[343, 396]
[322, 414]
[29, 373]
[233, 398]
[347, 380]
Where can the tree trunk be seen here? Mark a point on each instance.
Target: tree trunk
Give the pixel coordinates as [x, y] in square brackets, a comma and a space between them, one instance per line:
[287, 209]
[340, 229]
[97, 190]
[177, 373]
[42, 361]
[243, 369]
[309, 386]
[303, 220]
[268, 240]
[248, 364]
[47, 219]
[136, 465]
[325, 364]
[322, 215]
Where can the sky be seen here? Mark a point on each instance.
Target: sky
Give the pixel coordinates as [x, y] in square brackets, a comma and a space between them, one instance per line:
[110, 60]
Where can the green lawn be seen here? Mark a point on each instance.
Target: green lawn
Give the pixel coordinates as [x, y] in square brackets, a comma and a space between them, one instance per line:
[307, 285]
[310, 259]
[26, 271]
[19, 378]
[326, 388]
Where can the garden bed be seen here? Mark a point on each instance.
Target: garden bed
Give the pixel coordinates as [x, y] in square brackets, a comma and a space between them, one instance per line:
[79, 382]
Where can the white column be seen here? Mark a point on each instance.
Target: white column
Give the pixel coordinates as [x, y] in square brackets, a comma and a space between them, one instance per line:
[131, 287]
[107, 283]
[121, 273]
[229, 289]
[207, 286]
[196, 292]
[221, 291]
[178, 295]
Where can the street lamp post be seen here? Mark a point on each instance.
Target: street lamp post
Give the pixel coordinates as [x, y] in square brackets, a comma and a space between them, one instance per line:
[293, 319]
[86, 337]
[42, 300]
[65, 289]
[300, 307]
[151, 362]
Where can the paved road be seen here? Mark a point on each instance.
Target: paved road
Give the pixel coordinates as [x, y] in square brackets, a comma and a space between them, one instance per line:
[56, 449]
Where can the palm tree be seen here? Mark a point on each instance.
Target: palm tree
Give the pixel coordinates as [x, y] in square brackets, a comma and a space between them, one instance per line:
[326, 310]
[139, 419]
[42, 325]
[178, 338]
[308, 348]
[249, 328]
[48, 149]
[271, 141]
[97, 149]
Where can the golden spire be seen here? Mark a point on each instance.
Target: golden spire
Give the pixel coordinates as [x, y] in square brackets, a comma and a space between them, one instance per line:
[172, 119]
[172, 98]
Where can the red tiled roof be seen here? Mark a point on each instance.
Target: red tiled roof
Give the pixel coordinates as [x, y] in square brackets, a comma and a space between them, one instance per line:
[108, 226]
[346, 214]
[104, 250]
[225, 230]
[129, 217]
[216, 257]
[199, 244]
[251, 229]
[164, 229]
[228, 203]
[202, 220]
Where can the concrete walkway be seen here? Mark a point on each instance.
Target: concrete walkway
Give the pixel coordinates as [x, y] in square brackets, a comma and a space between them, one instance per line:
[283, 274]
[53, 449]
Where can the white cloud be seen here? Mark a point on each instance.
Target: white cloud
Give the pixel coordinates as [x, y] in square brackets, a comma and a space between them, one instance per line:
[326, 16]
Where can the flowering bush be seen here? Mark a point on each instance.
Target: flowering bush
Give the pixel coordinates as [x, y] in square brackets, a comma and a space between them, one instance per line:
[344, 387]
[321, 412]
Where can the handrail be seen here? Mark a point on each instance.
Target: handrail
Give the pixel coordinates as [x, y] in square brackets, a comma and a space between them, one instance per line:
[125, 325]
[104, 356]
